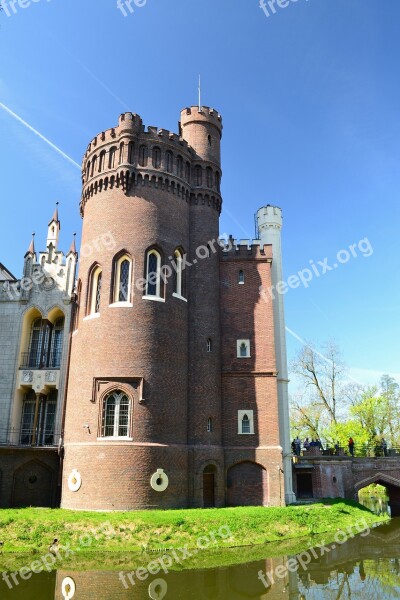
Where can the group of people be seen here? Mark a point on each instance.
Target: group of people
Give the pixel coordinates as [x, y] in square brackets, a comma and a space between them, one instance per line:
[297, 445]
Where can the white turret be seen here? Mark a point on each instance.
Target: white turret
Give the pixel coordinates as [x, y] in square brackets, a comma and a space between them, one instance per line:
[53, 231]
[269, 223]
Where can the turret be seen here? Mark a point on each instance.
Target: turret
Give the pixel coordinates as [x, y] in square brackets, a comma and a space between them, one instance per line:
[53, 230]
[202, 129]
[269, 223]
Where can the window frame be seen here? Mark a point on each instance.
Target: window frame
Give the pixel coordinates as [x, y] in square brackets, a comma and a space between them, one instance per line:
[95, 273]
[115, 301]
[250, 419]
[239, 345]
[159, 288]
[118, 395]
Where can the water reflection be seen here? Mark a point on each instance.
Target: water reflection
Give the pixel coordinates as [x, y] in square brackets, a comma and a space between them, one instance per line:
[378, 504]
[364, 567]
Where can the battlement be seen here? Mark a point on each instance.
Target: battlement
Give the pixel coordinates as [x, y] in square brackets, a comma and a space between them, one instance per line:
[205, 114]
[246, 250]
[269, 217]
[131, 125]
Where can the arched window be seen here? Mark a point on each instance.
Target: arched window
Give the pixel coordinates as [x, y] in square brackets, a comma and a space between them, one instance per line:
[45, 344]
[209, 141]
[169, 161]
[123, 277]
[143, 156]
[131, 151]
[243, 349]
[245, 424]
[241, 277]
[35, 344]
[153, 274]
[88, 169]
[179, 273]
[187, 172]
[116, 415]
[95, 291]
[156, 157]
[209, 345]
[94, 165]
[198, 175]
[57, 343]
[121, 152]
[217, 181]
[179, 166]
[209, 177]
[111, 158]
[102, 162]
[209, 425]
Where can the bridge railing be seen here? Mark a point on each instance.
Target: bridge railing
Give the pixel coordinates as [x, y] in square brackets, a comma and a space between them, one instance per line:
[359, 451]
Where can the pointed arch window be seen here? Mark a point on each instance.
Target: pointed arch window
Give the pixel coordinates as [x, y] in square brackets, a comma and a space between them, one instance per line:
[153, 274]
[198, 176]
[245, 422]
[243, 348]
[169, 161]
[209, 425]
[241, 277]
[116, 415]
[111, 158]
[88, 169]
[143, 156]
[131, 151]
[179, 274]
[156, 157]
[209, 177]
[102, 162]
[95, 291]
[121, 153]
[57, 339]
[123, 278]
[94, 165]
[179, 166]
[209, 345]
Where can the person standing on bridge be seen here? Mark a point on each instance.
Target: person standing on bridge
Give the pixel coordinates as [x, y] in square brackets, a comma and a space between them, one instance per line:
[351, 446]
[384, 447]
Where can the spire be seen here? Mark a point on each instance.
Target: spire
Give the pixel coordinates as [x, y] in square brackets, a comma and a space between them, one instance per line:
[31, 249]
[72, 249]
[53, 230]
[55, 216]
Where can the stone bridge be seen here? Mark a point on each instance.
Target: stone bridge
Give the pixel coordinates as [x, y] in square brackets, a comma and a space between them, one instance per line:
[344, 476]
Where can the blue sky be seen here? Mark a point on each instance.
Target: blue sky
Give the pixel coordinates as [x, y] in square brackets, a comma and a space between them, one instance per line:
[310, 103]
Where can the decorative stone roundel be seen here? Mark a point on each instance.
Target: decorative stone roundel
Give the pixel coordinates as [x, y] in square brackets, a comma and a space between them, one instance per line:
[158, 589]
[159, 481]
[74, 481]
[68, 588]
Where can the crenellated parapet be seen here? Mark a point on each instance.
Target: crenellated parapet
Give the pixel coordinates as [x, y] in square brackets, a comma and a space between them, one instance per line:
[128, 156]
[245, 250]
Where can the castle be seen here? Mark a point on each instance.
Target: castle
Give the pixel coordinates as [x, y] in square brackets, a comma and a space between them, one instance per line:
[162, 367]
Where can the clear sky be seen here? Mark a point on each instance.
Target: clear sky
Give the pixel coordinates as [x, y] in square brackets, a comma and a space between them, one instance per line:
[311, 108]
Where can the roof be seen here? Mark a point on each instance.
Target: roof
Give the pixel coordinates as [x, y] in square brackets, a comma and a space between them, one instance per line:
[5, 274]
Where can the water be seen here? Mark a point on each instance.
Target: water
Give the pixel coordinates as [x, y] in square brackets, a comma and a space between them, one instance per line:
[364, 567]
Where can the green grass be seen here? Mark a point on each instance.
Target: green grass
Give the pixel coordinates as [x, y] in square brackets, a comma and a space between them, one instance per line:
[33, 530]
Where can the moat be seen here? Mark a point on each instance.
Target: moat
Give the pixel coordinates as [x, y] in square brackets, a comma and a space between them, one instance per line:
[366, 566]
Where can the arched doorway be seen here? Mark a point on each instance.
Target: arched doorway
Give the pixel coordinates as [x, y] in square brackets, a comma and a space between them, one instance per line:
[33, 485]
[209, 486]
[247, 484]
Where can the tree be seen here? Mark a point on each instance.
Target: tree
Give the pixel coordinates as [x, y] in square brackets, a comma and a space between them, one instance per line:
[390, 394]
[321, 374]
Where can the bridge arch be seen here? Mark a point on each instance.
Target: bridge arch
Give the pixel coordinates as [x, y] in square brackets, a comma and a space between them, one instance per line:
[392, 485]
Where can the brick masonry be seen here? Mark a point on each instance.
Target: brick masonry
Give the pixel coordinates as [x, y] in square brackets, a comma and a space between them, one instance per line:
[144, 189]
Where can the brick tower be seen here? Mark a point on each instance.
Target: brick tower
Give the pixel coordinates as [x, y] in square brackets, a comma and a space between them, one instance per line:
[144, 400]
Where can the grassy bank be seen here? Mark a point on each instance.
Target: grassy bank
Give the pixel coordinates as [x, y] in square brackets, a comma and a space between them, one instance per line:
[33, 530]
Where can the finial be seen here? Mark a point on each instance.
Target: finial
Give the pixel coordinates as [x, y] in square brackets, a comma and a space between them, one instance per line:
[55, 215]
[73, 246]
[31, 249]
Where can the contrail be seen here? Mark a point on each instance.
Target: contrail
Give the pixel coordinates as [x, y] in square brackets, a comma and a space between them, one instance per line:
[39, 135]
